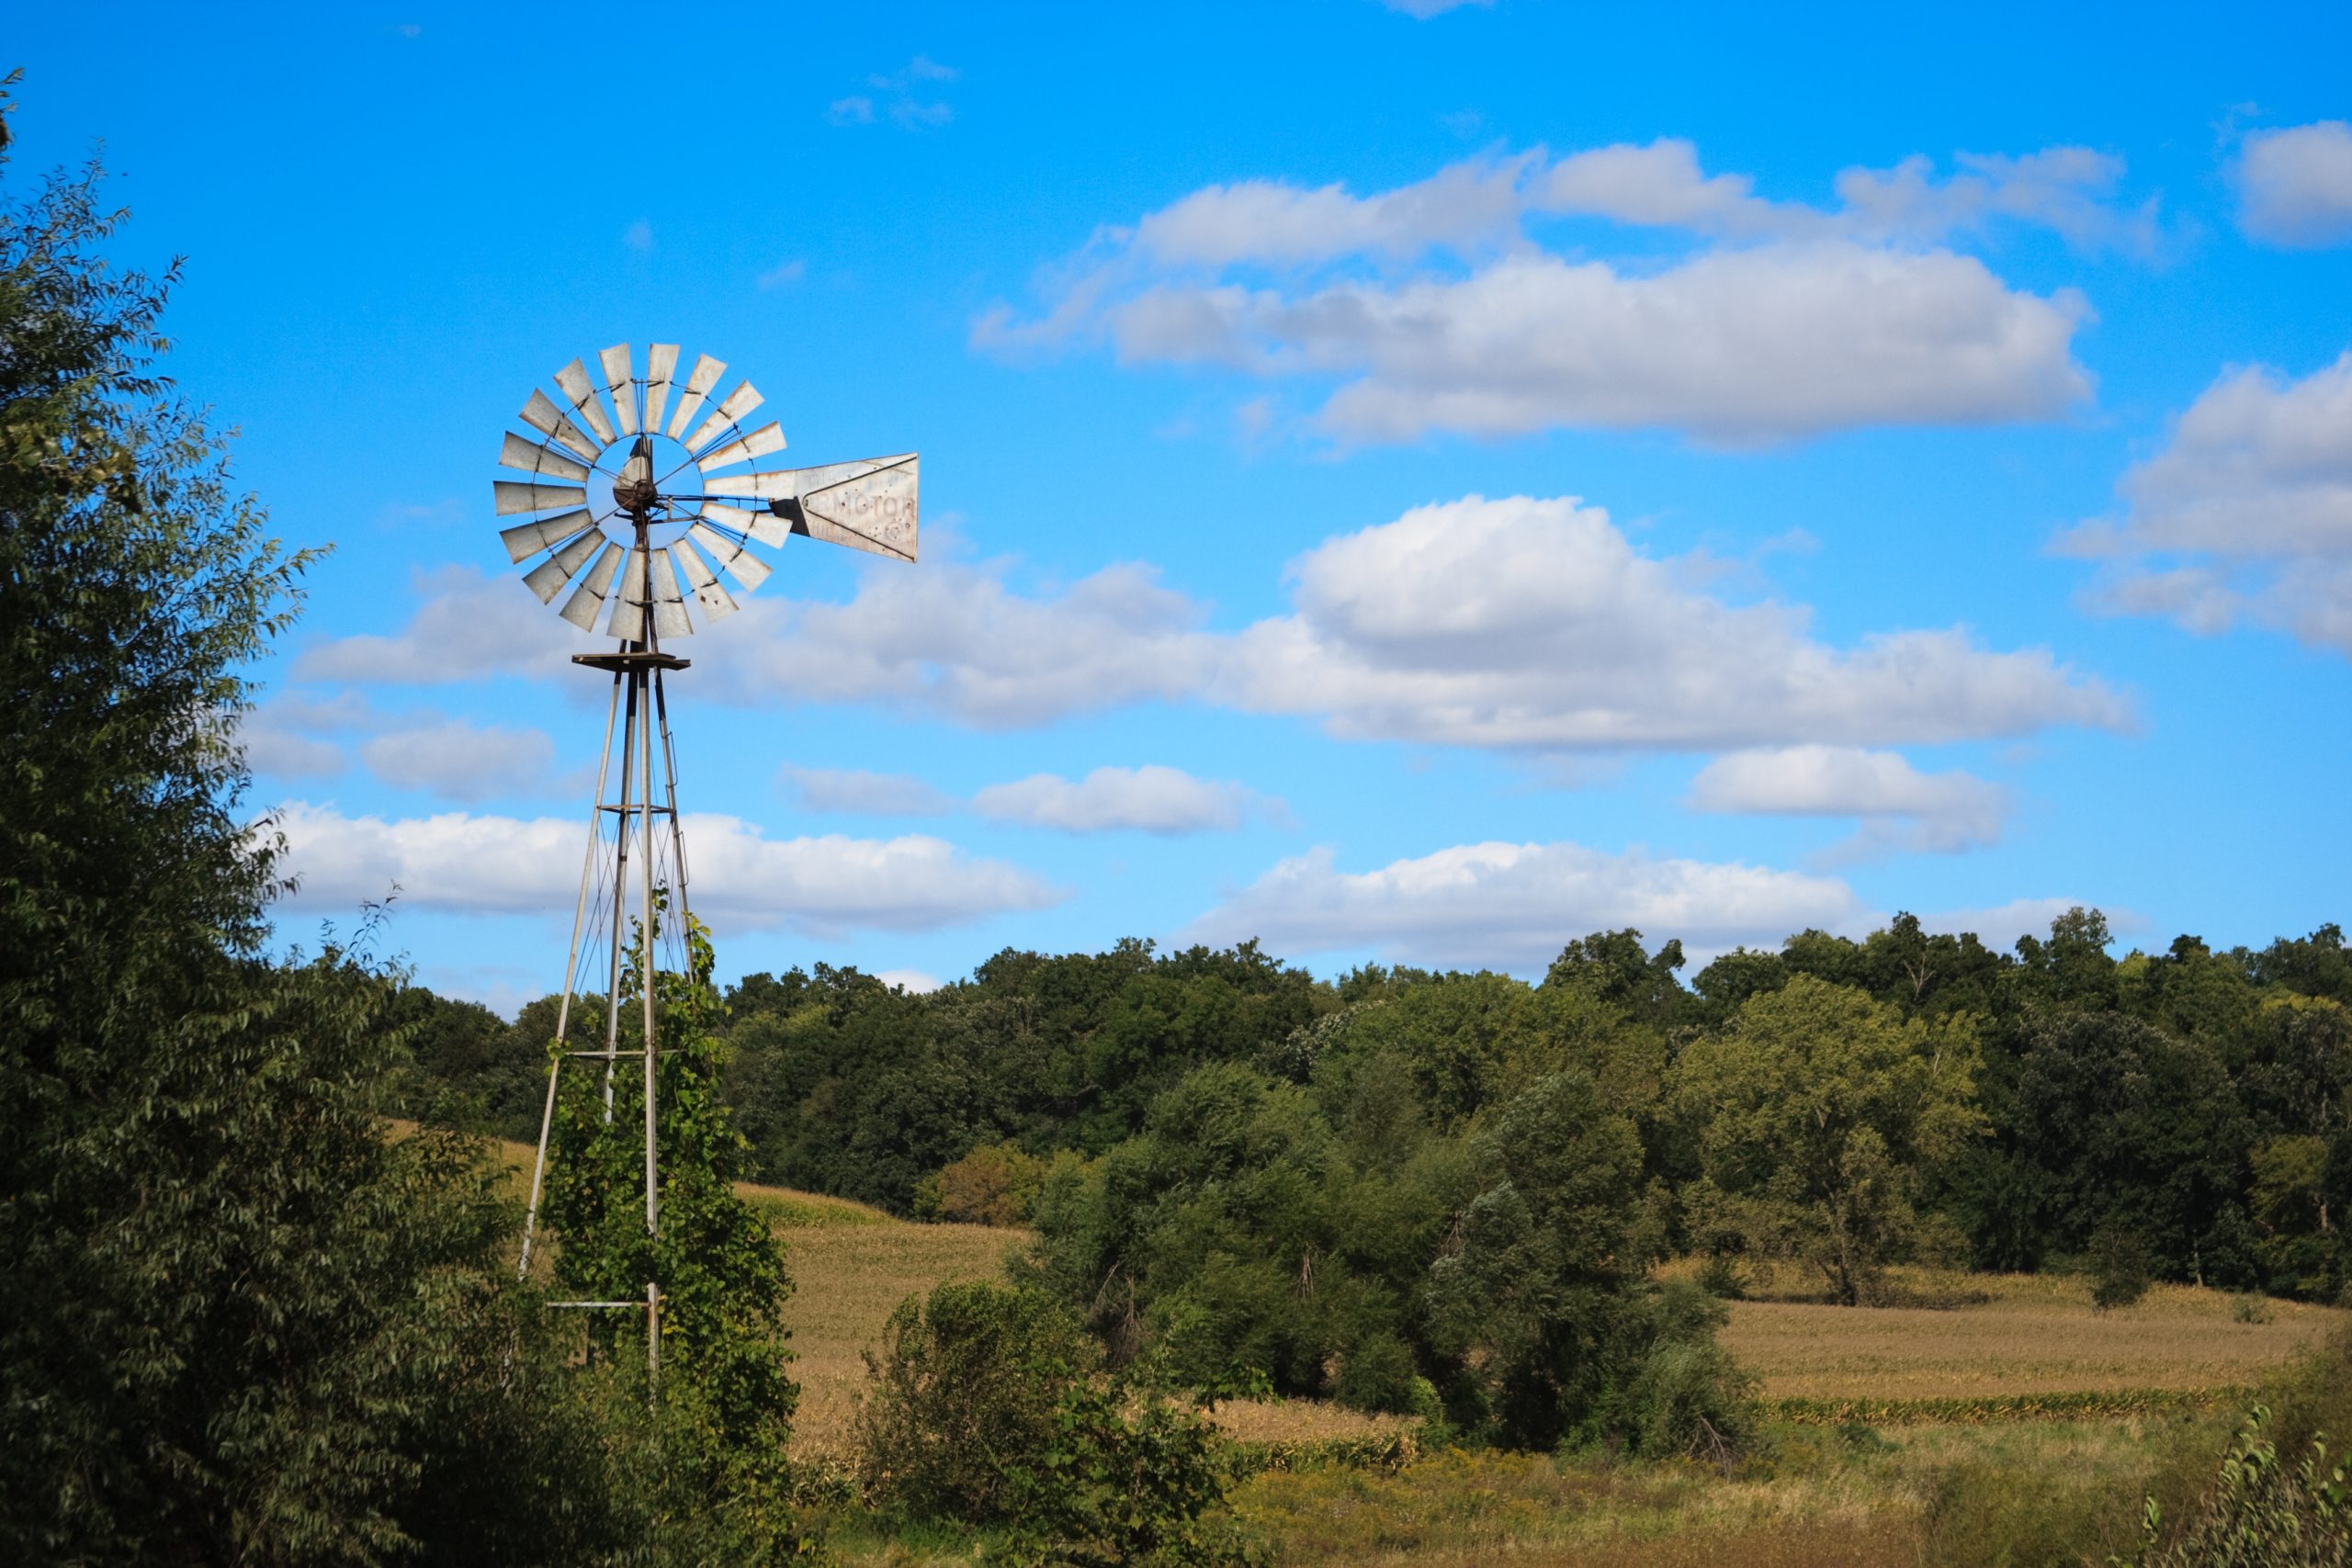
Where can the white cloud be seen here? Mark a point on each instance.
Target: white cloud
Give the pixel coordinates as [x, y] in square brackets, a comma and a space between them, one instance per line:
[283, 737]
[1536, 626]
[2244, 515]
[1422, 10]
[638, 236]
[1786, 321]
[854, 789]
[2296, 185]
[487, 865]
[1531, 626]
[459, 761]
[1515, 906]
[1150, 799]
[899, 95]
[914, 980]
[1903, 808]
[855, 110]
[468, 626]
[783, 274]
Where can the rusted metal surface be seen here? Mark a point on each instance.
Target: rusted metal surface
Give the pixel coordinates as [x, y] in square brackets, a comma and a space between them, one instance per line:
[629, 600]
[702, 584]
[668, 605]
[873, 511]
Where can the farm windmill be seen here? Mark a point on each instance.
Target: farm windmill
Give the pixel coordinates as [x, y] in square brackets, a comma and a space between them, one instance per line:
[633, 514]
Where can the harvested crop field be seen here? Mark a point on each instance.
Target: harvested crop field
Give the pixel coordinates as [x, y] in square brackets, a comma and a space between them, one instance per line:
[2017, 1335]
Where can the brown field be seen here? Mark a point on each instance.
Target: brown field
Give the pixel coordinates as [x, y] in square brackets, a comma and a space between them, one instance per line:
[2032, 1334]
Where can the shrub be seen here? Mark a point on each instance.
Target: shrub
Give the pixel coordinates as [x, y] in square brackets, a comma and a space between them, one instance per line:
[996, 1184]
[966, 1388]
[2262, 1513]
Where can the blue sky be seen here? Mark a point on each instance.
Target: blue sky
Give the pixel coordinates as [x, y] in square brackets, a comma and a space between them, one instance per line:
[1406, 486]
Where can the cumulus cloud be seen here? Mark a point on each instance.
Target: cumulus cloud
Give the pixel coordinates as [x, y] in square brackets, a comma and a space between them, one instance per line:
[286, 735]
[2244, 515]
[1150, 799]
[1522, 625]
[1433, 307]
[1515, 906]
[855, 789]
[467, 863]
[1902, 809]
[2295, 185]
[460, 761]
[468, 626]
[914, 980]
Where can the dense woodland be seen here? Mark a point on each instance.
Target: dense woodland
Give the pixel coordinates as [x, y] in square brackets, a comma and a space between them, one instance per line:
[1203, 1129]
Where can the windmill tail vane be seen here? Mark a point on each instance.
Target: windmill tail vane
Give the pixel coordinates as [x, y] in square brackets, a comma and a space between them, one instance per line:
[642, 498]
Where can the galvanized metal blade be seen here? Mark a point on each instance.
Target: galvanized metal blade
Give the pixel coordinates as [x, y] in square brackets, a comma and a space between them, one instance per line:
[574, 379]
[555, 571]
[731, 411]
[628, 604]
[527, 539]
[589, 597]
[764, 525]
[535, 458]
[748, 570]
[660, 361]
[621, 382]
[702, 583]
[514, 496]
[706, 372]
[743, 449]
[541, 414]
[668, 604]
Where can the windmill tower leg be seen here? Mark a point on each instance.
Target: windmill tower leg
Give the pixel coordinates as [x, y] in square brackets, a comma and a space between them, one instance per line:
[570, 973]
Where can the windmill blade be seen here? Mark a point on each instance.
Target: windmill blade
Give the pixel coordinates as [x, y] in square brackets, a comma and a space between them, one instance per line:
[668, 604]
[764, 525]
[628, 602]
[621, 382]
[703, 583]
[748, 570]
[639, 469]
[742, 449]
[661, 360]
[527, 539]
[555, 571]
[589, 597]
[534, 459]
[738, 404]
[874, 511]
[514, 496]
[541, 414]
[706, 375]
[574, 379]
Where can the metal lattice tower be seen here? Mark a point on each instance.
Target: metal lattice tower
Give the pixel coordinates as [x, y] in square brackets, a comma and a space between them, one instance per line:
[632, 513]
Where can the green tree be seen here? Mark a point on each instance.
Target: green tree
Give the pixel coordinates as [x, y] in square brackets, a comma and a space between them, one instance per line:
[1818, 1109]
[236, 1322]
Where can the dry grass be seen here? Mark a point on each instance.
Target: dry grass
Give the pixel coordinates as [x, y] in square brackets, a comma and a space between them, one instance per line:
[848, 1279]
[2031, 1333]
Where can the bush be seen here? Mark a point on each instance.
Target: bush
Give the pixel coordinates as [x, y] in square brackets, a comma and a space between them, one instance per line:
[983, 1411]
[1688, 1396]
[2261, 1512]
[966, 1388]
[996, 1184]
